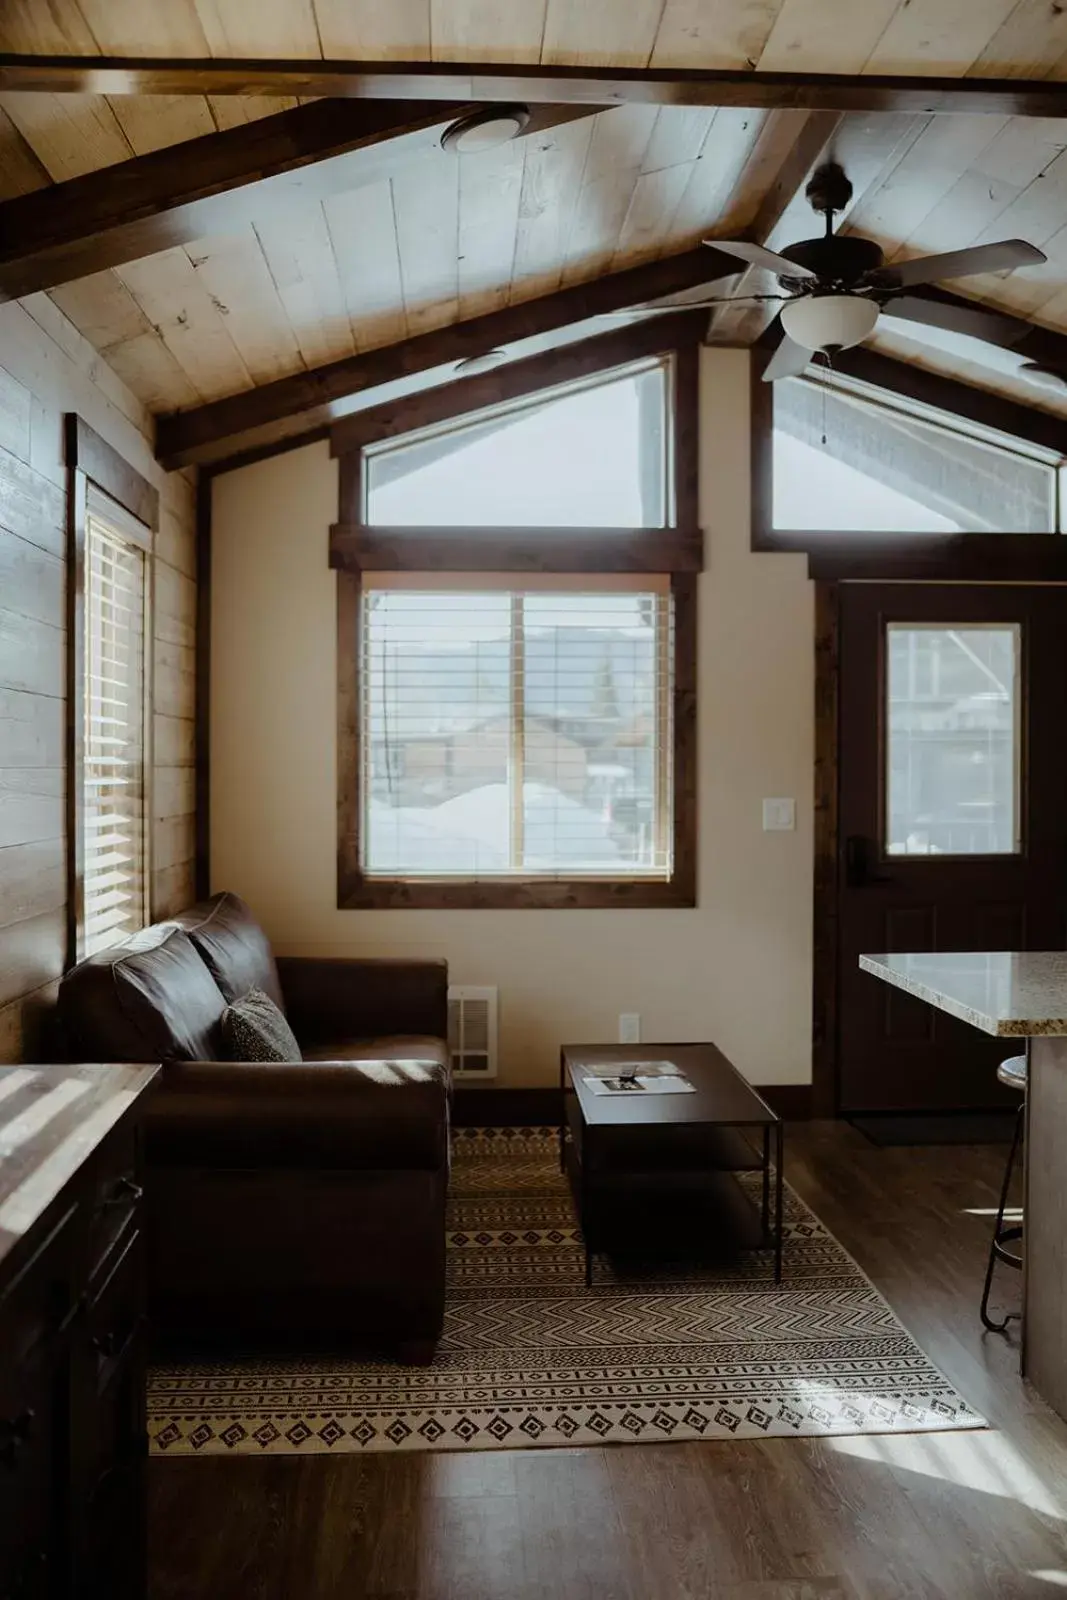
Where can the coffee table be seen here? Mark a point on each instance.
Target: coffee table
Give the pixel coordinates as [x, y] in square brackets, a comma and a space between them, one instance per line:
[639, 1150]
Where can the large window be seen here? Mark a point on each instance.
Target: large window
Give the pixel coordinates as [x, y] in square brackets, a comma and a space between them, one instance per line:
[845, 461]
[516, 730]
[114, 689]
[517, 634]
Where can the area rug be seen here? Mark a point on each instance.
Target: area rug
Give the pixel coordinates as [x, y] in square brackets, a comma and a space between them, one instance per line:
[531, 1357]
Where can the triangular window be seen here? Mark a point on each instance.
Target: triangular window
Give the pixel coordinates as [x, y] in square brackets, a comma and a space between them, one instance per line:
[590, 455]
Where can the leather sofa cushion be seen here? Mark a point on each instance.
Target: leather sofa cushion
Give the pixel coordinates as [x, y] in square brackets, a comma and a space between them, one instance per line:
[352, 1116]
[150, 998]
[395, 1047]
[234, 947]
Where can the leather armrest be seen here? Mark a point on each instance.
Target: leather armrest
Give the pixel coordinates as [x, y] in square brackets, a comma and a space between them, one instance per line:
[318, 1114]
[329, 998]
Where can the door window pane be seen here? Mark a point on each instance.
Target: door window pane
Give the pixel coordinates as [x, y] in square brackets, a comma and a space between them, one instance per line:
[952, 739]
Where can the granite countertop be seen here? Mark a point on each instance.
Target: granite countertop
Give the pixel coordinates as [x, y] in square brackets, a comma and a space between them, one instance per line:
[51, 1120]
[1010, 994]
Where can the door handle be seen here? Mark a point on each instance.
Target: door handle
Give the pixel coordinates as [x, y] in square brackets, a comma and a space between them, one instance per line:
[858, 853]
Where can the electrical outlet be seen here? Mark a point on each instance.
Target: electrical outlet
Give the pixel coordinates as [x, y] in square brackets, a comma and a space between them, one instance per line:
[629, 1027]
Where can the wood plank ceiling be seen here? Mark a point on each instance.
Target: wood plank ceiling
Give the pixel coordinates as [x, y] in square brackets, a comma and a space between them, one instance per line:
[456, 238]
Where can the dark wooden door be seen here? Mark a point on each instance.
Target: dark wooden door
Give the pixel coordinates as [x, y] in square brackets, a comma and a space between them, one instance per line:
[952, 818]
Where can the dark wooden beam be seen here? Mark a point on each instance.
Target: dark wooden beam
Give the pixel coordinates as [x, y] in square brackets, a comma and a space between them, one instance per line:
[958, 399]
[354, 548]
[1046, 346]
[929, 557]
[531, 376]
[487, 82]
[218, 182]
[306, 400]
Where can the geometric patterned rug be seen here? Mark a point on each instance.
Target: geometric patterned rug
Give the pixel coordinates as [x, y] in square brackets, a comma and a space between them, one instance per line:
[531, 1357]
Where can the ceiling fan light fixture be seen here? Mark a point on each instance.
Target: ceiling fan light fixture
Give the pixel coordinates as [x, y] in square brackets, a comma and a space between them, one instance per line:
[485, 130]
[1044, 377]
[484, 362]
[829, 321]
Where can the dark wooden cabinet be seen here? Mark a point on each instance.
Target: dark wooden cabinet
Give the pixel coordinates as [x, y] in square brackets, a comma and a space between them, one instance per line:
[72, 1340]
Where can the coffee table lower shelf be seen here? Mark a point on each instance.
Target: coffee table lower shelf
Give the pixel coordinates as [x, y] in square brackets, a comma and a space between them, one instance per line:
[713, 1202]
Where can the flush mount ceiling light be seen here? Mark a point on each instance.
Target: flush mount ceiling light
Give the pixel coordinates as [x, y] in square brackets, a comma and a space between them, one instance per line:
[829, 321]
[1043, 377]
[471, 364]
[485, 130]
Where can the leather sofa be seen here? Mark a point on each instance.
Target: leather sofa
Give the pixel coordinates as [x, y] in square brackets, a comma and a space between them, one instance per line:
[286, 1203]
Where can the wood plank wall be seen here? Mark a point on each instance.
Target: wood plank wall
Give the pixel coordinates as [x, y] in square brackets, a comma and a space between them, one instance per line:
[47, 368]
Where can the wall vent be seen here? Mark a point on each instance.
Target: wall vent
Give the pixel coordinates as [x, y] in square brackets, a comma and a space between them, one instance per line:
[472, 1030]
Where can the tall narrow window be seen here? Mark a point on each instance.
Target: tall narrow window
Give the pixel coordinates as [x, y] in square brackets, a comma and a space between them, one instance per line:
[113, 812]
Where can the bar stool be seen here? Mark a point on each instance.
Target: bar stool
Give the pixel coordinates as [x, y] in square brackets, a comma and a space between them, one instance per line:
[1013, 1073]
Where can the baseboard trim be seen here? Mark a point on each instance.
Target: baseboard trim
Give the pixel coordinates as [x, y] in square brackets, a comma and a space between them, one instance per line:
[539, 1108]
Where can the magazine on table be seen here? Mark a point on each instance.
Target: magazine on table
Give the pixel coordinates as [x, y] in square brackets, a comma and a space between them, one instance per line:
[639, 1077]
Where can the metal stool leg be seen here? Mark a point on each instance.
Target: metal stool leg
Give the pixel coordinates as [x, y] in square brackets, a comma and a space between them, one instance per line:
[1002, 1235]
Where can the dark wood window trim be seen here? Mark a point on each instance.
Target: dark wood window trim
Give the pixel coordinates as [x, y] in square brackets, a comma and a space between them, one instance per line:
[91, 462]
[675, 550]
[101, 463]
[865, 554]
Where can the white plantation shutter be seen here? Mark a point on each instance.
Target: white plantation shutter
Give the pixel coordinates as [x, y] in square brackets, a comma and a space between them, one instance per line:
[515, 728]
[113, 803]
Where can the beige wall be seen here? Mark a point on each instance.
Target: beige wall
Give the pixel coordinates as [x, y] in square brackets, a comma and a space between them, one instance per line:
[47, 368]
[736, 969]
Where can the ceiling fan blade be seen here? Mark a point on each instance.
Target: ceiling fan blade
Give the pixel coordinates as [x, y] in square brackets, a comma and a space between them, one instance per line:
[691, 305]
[977, 323]
[757, 256]
[788, 361]
[958, 264]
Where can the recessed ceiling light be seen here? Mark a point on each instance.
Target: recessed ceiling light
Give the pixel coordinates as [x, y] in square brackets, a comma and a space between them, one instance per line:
[1043, 377]
[485, 130]
[482, 363]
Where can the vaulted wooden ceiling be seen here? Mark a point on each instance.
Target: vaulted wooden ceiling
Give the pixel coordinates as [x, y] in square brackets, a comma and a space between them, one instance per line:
[444, 239]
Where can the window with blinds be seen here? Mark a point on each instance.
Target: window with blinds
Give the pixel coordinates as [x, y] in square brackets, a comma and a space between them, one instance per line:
[114, 830]
[515, 728]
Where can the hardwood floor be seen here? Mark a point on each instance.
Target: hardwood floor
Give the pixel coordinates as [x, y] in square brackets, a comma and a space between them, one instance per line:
[961, 1516]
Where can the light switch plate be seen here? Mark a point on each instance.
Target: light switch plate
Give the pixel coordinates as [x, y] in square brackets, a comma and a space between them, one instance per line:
[629, 1027]
[779, 816]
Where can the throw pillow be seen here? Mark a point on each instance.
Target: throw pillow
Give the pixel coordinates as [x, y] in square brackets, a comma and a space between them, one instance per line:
[253, 1029]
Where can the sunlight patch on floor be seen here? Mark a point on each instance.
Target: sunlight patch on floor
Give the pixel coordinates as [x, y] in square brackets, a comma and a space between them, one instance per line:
[1057, 1578]
[1011, 1213]
[985, 1461]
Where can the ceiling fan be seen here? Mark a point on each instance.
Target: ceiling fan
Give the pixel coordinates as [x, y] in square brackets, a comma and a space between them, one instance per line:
[835, 288]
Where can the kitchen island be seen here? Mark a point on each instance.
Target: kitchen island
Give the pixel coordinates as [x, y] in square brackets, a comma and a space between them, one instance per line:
[1020, 997]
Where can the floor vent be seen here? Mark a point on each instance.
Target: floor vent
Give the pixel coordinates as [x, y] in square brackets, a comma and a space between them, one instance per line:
[472, 1030]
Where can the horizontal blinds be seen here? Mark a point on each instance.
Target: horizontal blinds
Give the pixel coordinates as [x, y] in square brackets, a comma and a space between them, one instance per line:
[113, 802]
[516, 732]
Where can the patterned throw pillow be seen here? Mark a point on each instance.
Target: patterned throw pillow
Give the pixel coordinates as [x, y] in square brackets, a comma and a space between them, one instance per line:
[253, 1029]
